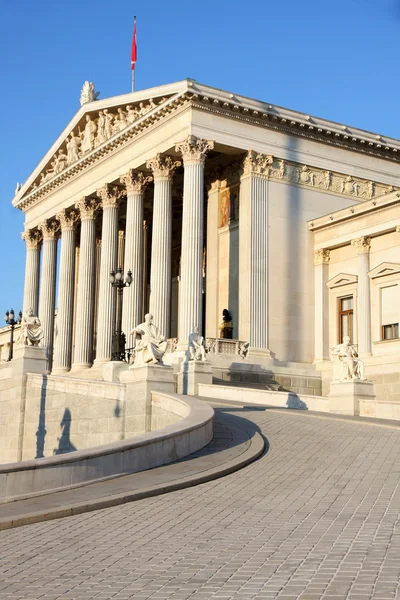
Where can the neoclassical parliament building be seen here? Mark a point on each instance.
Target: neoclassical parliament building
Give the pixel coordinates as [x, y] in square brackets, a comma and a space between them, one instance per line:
[216, 201]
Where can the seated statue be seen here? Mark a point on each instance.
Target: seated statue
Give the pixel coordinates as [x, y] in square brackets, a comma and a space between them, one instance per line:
[197, 350]
[352, 366]
[31, 329]
[151, 345]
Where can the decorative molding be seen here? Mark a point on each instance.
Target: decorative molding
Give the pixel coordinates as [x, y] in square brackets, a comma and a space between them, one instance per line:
[385, 268]
[256, 163]
[321, 257]
[110, 195]
[362, 244]
[87, 208]
[33, 238]
[50, 229]
[68, 219]
[163, 167]
[341, 279]
[193, 149]
[135, 181]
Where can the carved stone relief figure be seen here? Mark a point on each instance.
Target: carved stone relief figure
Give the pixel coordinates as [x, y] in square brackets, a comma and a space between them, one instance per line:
[73, 143]
[132, 114]
[108, 125]
[305, 175]
[60, 161]
[101, 134]
[88, 135]
[348, 186]
[121, 121]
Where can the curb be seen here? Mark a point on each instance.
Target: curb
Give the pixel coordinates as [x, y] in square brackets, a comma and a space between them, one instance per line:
[256, 448]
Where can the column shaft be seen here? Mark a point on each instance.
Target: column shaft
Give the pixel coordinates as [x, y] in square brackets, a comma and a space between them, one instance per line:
[109, 258]
[190, 304]
[253, 253]
[160, 271]
[132, 299]
[32, 271]
[84, 320]
[321, 310]
[65, 312]
[48, 288]
[212, 272]
[362, 246]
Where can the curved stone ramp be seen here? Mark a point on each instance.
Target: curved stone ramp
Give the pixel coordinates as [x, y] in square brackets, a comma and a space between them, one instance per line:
[236, 443]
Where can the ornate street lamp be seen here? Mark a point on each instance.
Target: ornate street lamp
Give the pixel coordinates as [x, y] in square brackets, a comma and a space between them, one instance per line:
[119, 339]
[9, 318]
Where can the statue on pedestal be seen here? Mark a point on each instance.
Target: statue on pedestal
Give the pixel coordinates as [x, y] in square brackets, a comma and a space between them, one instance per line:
[197, 349]
[151, 345]
[226, 326]
[31, 330]
[351, 366]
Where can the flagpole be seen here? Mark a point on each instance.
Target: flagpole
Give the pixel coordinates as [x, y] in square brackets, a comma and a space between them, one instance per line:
[133, 64]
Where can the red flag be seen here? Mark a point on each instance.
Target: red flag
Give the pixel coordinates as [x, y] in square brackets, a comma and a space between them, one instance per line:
[134, 50]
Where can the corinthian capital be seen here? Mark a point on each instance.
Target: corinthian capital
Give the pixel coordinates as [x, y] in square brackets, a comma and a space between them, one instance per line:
[32, 238]
[256, 163]
[110, 195]
[163, 167]
[135, 181]
[362, 244]
[49, 229]
[321, 257]
[193, 149]
[67, 219]
[87, 208]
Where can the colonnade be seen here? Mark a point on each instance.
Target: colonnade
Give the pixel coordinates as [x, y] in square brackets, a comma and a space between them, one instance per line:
[41, 244]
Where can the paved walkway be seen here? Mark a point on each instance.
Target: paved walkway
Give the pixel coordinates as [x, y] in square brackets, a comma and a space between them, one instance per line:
[317, 516]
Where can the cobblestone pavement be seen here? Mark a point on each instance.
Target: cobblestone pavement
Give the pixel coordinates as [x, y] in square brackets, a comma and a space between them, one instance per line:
[315, 517]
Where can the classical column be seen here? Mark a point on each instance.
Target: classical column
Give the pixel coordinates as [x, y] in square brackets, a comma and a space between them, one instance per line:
[132, 298]
[33, 241]
[321, 310]
[212, 271]
[110, 197]
[49, 230]
[193, 152]
[84, 318]
[145, 269]
[253, 252]
[160, 272]
[363, 246]
[66, 283]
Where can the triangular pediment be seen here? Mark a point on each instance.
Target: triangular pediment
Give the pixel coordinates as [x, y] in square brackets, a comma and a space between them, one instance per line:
[341, 279]
[385, 268]
[96, 125]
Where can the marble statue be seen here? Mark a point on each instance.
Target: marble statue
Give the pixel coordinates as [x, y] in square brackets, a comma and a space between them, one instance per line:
[73, 143]
[60, 161]
[197, 349]
[352, 366]
[88, 93]
[88, 135]
[101, 132]
[121, 121]
[132, 114]
[108, 124]
[31, 330]
[151, 346]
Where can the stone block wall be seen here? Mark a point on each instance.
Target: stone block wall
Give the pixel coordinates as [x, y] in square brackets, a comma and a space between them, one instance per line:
[11, 406]
[275, 381]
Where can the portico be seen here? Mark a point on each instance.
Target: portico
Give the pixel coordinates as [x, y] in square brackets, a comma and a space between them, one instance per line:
[209, 193]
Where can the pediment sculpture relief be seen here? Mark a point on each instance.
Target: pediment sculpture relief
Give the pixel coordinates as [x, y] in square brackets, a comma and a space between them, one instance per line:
[97, 129]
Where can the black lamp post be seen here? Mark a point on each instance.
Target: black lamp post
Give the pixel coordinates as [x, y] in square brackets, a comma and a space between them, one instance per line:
[9, 318]
[118, 342]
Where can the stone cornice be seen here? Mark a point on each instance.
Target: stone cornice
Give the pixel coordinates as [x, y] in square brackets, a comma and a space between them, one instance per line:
[194, 150]
[32, 238]
[163, 167]
[135, 181]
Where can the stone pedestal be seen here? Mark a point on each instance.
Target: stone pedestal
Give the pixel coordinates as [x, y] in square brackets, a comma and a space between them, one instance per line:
[28, 359]
[140, 382]
[344, 396]
[113, 369]
[191, 374]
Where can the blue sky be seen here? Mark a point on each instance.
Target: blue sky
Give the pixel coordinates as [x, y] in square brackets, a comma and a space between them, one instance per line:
[338, 60]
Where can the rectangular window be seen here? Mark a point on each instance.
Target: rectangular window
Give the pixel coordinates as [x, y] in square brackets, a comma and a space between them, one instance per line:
[390, 301]
[346, 318]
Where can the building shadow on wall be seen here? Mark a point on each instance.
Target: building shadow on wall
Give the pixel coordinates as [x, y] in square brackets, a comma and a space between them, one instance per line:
[41, 430]
[260, 378]
[64, 441]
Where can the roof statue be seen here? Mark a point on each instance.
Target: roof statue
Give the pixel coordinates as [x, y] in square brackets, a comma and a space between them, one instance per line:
[88, 93]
